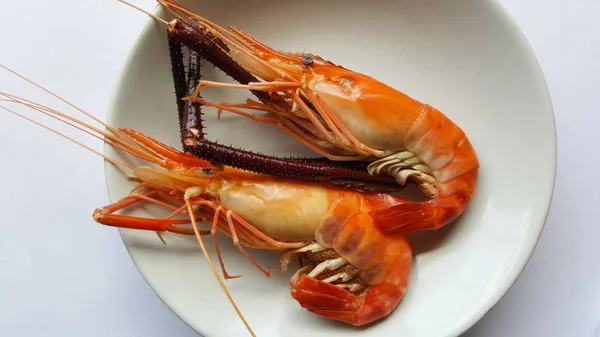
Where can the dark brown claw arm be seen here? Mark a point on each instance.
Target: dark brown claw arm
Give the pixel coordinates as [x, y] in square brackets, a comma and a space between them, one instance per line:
[212, 50]
[190, 115]
[320, 170]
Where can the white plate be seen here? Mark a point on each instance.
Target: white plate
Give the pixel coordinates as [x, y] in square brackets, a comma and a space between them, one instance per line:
[466, 57]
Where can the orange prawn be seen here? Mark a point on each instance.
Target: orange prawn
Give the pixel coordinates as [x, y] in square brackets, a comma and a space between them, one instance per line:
[356, 273]
[347, 116]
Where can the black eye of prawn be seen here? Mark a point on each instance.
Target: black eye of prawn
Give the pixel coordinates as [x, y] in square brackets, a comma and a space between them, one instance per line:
[307, 60]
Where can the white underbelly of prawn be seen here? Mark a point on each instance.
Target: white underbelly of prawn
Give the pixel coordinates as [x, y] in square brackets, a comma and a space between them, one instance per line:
[282, 212]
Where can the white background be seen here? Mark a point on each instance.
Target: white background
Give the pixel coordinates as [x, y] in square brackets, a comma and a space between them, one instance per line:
[66, 276]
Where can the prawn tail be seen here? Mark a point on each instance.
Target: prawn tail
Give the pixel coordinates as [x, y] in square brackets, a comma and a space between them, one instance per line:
[416, 216]
[450, 202]
[374, 303]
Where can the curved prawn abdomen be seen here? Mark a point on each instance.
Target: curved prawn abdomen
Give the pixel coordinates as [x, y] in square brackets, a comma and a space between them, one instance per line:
[441, 145]
[452, 163]
[450, 156]
[444, 160]
[384, 264]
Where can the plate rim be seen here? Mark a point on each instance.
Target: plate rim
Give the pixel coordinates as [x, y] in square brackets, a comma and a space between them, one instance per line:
[529, 247]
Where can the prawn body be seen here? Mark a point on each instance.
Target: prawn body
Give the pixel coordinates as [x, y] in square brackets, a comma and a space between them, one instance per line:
[397, 134]
[357, 274]
[348, 116]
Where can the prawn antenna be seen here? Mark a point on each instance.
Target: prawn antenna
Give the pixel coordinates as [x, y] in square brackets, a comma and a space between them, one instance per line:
[117, 139]
[56, 96]
[212, 267]
[144, 11]
[116, 162]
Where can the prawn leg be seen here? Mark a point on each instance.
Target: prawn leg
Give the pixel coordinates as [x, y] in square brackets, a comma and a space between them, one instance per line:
[234, 226]
[106, 216]
[309, 114]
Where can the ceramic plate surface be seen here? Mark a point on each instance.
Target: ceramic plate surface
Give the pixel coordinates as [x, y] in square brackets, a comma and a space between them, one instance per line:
[465, 57]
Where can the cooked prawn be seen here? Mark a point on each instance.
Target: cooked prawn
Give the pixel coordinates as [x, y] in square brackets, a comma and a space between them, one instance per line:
[357, 274]
[346, 115]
